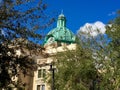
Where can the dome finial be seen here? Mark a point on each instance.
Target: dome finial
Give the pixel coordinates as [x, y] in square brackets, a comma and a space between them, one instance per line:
[61, 15]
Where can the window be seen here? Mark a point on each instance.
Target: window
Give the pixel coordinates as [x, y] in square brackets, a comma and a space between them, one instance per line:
[40, 87]
[44, 73]
[41, 73]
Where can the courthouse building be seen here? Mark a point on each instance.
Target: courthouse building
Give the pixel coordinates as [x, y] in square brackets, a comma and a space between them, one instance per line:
[58, 39]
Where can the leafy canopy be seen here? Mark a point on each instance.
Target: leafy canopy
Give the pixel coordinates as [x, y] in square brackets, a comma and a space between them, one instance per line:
[20, 21]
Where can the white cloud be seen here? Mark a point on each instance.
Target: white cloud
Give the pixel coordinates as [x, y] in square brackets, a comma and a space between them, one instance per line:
[92, 29]
[112, 13]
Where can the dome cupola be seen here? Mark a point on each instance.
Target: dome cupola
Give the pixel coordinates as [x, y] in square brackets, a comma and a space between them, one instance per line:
[61, 33]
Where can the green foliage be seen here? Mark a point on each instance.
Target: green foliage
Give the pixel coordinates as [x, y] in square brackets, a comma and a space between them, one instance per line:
[76, 70]
[11, 62]
[93, 66]
[20, 19]
[113, 31]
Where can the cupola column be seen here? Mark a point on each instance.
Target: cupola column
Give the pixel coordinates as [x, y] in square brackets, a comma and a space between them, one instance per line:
[61, 21]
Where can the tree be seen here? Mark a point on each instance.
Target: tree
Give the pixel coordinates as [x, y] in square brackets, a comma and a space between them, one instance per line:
[14, 59]
[75, 70]
[113, 64]
[113, 32]
[92, 66]
[108, 58]
[20, 19]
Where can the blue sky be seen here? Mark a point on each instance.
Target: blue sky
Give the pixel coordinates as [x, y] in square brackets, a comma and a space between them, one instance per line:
[79, 12]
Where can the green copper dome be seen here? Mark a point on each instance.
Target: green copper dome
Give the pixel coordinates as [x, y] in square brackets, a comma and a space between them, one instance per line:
[60, 33]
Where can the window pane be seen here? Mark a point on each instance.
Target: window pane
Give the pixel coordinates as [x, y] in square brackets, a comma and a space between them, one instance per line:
[43, 87]
[44, 73]
[38, 87]
[39, 73]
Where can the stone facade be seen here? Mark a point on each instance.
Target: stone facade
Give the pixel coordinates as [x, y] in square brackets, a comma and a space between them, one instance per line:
[40, 82]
